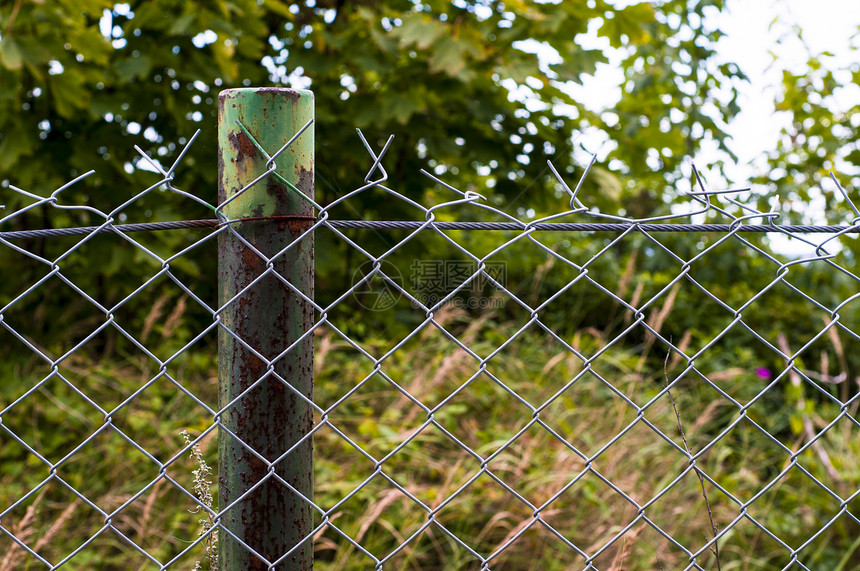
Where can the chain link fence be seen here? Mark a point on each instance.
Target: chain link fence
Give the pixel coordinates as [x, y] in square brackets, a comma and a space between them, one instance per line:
[462, 390]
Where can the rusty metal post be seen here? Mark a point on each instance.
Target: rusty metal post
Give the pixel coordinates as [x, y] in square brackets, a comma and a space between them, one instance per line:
[271, 418]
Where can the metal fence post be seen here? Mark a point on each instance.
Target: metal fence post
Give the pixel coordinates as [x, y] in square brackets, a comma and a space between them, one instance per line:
[259, 325]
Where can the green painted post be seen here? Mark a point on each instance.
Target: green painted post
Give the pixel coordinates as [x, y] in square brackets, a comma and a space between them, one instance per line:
[271, 418]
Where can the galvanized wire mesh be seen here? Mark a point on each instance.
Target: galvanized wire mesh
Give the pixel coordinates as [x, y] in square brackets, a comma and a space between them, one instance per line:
[463, 417]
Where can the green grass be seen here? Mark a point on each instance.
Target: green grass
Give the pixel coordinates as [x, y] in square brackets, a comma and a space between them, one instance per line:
[471, 503]
[484, 424]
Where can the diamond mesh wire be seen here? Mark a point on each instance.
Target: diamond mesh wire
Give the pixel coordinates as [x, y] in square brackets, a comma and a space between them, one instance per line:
[496, 399]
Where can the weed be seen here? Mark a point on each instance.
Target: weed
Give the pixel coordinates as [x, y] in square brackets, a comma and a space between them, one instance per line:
[203, 491]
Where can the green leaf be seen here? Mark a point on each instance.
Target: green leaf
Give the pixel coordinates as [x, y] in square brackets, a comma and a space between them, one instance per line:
[366, 115]
[796, 423]
[133, 68]
[93, 46]
[10, 53]
[448, 56]
[279, 8]
[399, 107]
[181, 25]
[419, 31]
[578, 61]
[607, 182]
[69, 92]
[14, 145]
[519, 69]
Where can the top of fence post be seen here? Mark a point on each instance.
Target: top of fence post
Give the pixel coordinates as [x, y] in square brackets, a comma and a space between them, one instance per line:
[254, 124]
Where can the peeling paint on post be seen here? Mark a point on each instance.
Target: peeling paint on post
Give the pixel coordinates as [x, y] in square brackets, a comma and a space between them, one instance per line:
[271, 418]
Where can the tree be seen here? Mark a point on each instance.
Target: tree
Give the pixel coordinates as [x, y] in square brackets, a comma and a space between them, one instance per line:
[819, 138]
[88, 79]
[466, 96]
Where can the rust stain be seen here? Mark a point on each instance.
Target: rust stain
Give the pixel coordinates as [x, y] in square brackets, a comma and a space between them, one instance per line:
[306, 182]
[221, 196]
[291, 93]
[252, 261]
[277, 190]
[298, 226]
[243, 145]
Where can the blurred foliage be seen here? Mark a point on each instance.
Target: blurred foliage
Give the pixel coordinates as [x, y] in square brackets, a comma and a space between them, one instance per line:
[459, 83]
[437, 73]
[454, 81]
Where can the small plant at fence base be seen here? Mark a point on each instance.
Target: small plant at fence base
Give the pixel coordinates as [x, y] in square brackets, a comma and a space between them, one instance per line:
[202, 490]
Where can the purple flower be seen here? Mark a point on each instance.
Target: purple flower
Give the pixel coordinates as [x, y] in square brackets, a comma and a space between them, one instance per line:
[763, 373]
